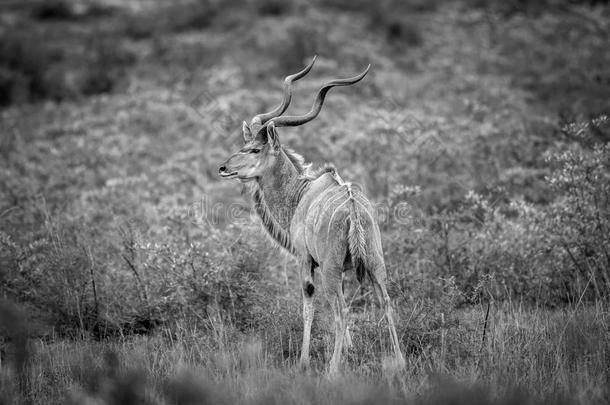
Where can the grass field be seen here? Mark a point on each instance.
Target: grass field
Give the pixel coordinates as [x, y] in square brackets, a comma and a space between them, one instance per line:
[131, 274]
[527, 356]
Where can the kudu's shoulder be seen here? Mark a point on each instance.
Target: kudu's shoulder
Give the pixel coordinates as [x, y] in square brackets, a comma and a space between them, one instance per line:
[329, 189]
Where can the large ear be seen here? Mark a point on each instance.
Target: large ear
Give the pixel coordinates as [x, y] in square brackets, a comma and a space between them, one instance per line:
[245, 131]
[272, 136]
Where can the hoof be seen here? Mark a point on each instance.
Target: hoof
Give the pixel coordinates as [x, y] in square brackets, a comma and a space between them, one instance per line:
[393, 364]
[333, 371]
[347, 342]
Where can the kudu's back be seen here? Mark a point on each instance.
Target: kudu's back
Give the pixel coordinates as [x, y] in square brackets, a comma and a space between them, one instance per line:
[338, 226]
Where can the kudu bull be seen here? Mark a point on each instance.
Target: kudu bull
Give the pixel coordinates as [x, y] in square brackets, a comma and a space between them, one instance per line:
[317, 217]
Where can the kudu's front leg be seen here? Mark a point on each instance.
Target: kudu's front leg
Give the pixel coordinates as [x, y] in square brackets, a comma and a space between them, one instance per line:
[308, 290]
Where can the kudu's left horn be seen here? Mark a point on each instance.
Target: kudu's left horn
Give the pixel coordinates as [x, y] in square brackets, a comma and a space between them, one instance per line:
[293, 121]
[263, 118]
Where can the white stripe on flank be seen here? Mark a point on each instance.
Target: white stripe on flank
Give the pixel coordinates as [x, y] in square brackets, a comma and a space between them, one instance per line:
[333, 215]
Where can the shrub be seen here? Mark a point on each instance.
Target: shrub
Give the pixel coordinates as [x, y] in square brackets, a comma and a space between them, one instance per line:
[53, 10]
[192, 15]
[174, 276]
[547, 254]
[273, 7]
[22, 68]
[390, 6]
[578, 223]
[106, 67]
[299, 43]
[397, 29]
[32, 69]
[53, 272]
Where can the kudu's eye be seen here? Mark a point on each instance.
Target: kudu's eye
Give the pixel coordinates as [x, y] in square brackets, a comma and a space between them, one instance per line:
[254, 150]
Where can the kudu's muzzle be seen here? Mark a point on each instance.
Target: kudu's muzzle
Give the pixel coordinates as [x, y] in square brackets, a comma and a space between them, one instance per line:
[225, 172]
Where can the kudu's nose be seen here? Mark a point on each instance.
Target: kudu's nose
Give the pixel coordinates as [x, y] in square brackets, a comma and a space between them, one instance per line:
[222, 169]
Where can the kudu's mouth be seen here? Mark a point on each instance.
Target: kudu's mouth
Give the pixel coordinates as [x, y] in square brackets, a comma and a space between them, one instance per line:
[228, 175]
[222, 172]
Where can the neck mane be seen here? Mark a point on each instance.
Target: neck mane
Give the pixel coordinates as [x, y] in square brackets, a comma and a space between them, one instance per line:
[277, 195]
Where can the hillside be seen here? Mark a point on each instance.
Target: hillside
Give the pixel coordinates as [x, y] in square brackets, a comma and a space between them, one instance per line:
[480, 133]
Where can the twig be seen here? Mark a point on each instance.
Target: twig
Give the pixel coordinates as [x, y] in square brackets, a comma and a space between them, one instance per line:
[6, 211]
[131, 265]
[485, 326]
[93, 287]
[584, 290]
[286, 270]
[128, 245]
[354, 296]
[567, 249]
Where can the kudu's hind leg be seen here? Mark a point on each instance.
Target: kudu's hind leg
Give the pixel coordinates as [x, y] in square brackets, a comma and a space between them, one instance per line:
[333, 290]
[378, 278]
[308, 289]
[348, 337]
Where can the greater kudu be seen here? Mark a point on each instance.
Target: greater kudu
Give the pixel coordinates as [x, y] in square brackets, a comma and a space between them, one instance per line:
[317, 217]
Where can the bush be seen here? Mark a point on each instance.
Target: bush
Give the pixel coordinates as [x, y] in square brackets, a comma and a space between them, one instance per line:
[194, 15]
[53, 272]
[578, 223]
[397, 28]
[53, 10]
[32, 69]
[22, 68]
[161, 283]
[106, 68]
[297, 46]
[548, 254]
[174, 276]
[273, 7]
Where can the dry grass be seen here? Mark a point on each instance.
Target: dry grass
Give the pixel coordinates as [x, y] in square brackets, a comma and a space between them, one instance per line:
[116, 239]
[529, 355]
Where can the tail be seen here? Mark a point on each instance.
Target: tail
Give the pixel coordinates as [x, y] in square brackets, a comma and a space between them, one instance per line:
[356, 238]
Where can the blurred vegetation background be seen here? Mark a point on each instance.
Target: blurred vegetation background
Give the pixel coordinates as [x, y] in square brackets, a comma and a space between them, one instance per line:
[481, 132]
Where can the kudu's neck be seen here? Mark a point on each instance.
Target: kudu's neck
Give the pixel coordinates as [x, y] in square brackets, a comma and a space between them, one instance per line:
[282, 188]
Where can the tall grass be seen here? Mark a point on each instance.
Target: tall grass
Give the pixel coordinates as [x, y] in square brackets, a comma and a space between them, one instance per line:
[137, 293]
[533, 356]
